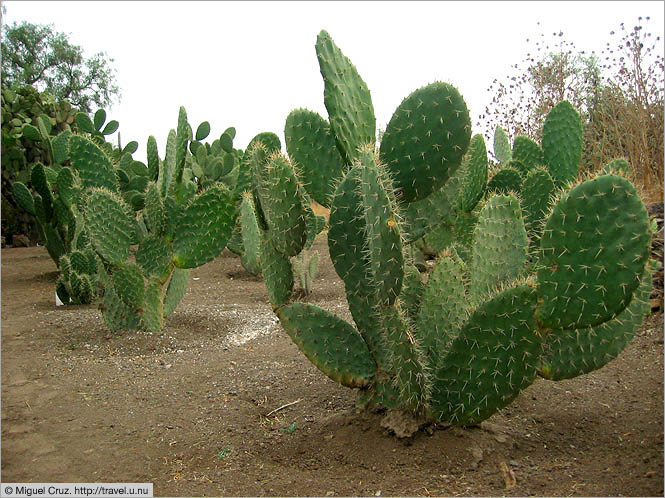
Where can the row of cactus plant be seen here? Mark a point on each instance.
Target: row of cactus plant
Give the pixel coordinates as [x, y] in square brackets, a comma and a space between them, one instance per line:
[462, 344]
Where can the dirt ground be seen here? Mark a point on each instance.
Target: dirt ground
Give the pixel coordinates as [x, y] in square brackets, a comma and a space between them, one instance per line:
[199, 409]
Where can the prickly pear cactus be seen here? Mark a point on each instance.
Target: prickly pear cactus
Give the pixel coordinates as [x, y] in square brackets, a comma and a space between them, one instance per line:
[176, 229]
[463, 343]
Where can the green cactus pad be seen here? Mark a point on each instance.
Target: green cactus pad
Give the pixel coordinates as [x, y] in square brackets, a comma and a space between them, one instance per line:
[79, 262]
[527, 153]
[282, 205]
[24, 198]
[152, 313]
[502, 149]
[562, 142]
[67, 188]
[81, 287]
[40, 183]
[569, 353]
[594, 249]
[176, 290]
[251, 236]
[310, 143]
[425, 140]
[63, 214]
[493, 358]
[65, 266]
[382, 233]
[346, 98]
[167, 168]
[420, 217]
[443, 308]
[618, 166]
[412, 291]
[110, 224]
[473, 174]
[128, 284]
[92, 164]
[406, 361]
[54, 243]
[154, 256]
[537, 195]
[117, 315]
[329, 342]
[154, 211]
[346, 236]
[500, 246]
[203, 228]
[153, 158]
[277, 274]
[505, 181]
[270, 141]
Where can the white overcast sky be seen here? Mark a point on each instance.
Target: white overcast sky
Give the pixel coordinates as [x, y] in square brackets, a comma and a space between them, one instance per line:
[248, 64]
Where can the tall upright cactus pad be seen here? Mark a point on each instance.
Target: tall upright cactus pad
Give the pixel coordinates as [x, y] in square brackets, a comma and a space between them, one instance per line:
[537, 197]
[443, 308]
[110, 224]
[500, 246]
[502, 150]
[594, 247]
[562, 142]
[277, 273]
[346, 98]
[282, 205]
[425, 140]
[346, 241]
[251, 236]
[473, 175]
[311, 144]
[493, 358]
[382, 234]
[175, 290]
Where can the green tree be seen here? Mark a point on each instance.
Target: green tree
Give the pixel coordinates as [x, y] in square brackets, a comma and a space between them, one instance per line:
[37, 55]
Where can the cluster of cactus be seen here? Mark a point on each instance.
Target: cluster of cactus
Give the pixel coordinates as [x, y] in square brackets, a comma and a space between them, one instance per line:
[213, 162]
[55, 203]
[532, 171]
[247, 239]
[175, 229]
[23, 108]
[462, 344]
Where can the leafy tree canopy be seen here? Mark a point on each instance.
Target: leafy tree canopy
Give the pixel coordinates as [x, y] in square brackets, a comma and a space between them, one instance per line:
[37, 55]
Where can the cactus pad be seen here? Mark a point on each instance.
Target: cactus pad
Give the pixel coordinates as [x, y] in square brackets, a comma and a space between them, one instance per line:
[562, 142]
[203, 228]
[425, 140]
[92, 164]
[346, 98]
[500, 246]
[502, 149]
[594, 247]
[311, 145]
[110, 224]
[493, 358]
[332, 344]
[569, 353]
